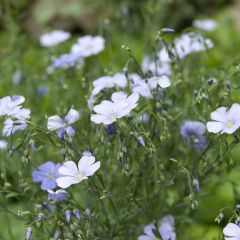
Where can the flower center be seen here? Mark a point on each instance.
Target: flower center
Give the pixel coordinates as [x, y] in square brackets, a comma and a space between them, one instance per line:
[230, 124]
[51, 176]
[80, 176]
[113, 117]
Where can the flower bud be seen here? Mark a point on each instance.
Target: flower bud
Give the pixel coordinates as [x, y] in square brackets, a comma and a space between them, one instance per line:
[28, 233]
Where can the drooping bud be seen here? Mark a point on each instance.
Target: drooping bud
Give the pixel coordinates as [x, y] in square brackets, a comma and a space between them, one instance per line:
[77, 213]
[28, 233]
[141, 141]
[196, 185]
[68, 215]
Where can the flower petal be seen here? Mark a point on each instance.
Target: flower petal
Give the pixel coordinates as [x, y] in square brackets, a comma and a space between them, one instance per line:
[72, 116]
[164, 82]
[148, 229]
[232, 230]
[104, 107]
[215, 127]
[65, 182]
[92, 169]
[69, 168]
[219, 115]
[48, 184]
[85, 162]
[54, 123]
[119, 96]
[70, 131]
[96, 118]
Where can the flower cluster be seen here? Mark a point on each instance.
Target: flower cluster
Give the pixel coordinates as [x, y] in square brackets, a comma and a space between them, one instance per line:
[109, 111]
[86, 46]
[54, 38]
[16, 116]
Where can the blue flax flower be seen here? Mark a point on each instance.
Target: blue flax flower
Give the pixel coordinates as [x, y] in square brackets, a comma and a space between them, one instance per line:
[46, 174]
[193, 134]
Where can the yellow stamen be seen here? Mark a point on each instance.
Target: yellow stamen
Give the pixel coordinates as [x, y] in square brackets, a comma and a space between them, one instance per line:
[230, 124]
[113, 117]
[80, 176]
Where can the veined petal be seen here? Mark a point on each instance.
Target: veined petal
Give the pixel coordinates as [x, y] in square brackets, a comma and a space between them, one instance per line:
[230, 130]
[92, 169]
[148, 229]
[54, 123]
[132, 100]
[16, 100]
[72, 116]
[65, 182]
[69, 168]
[70, 131]
[85, 162]
[234, 112]
[219, 115]
[119, 96]
[104, 107]
[96, 118]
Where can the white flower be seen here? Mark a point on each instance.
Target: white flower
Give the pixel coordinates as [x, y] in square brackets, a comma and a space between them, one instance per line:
[166, 230]
[88, 45]
[118, 80]
[66, 61]
[54, 38]
[120, 106]
[208, 25]
[157, 68]
[225, 121]
[71, 174]
[231, 232]
[191, 42]
[55, 123]
[3, 144]
[163, 55]
[9, 106]
[22, 114]
[140, 86]
[11, 126]
[162, 81]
